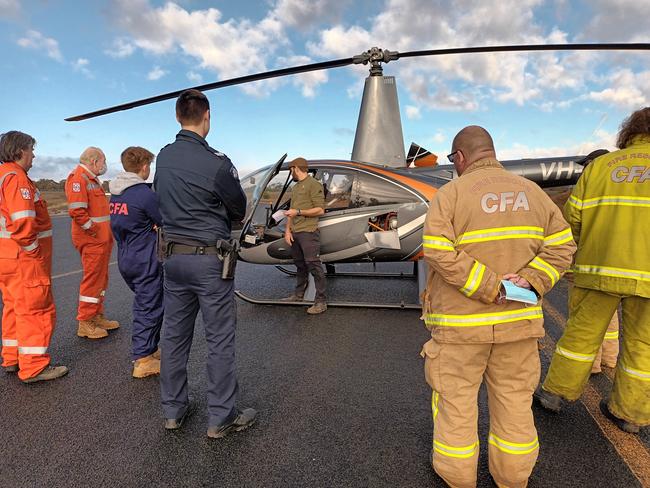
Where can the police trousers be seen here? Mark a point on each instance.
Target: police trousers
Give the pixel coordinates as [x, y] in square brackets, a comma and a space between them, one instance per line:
[455, 372]
[193, 283]
[589, 315]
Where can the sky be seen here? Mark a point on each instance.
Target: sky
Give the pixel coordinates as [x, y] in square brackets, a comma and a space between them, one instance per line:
[65, 57]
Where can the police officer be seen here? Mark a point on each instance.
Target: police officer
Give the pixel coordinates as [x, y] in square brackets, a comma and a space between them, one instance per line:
[200, 195]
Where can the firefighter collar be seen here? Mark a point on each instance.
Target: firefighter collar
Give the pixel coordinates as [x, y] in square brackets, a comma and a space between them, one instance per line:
[641, 139]
[483, 163]
[86, 168]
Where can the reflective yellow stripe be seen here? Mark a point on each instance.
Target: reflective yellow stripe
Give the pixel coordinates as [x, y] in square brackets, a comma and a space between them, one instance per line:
[473, 280]
[623, 201]
[437, 242]
[500, 233]
[635, 373]
[5, 234]
[615, 272]
[457, 452]
[513, 447]
[558, 238]
[87, 225]
[30, 247]
[576, 356]
[44, 234]
[575, 202]
[550, 271]
[32, 350]
[474, 320]
[435, 398]
[22, 215]
[610, 336]
[103, 218]
[74, 205]
[10, 342]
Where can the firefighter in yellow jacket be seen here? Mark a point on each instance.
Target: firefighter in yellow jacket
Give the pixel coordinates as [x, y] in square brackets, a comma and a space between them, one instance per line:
[483, 227]
[609, 211]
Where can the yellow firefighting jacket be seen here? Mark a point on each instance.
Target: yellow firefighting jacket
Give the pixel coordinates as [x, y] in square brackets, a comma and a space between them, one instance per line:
[609, 213]
[485, 224]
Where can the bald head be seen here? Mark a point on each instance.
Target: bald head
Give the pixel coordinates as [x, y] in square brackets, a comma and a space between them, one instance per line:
[474, 143]
[94, 159]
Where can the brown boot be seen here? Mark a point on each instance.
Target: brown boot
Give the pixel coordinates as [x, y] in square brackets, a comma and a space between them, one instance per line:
[49, 373]
[89, 329]
[146, 366]
[316, 308]
[106, 324]
[156, 354]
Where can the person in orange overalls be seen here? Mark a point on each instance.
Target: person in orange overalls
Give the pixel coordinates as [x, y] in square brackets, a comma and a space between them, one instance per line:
[28, 315]
[91, 235]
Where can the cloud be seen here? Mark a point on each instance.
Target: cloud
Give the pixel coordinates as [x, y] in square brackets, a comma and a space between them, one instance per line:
[307, 82]
[51, 167]
[343, 131]
[9, 9]
[35, 40]
[303, 14]
[470, 82]
[120, 48]
[194, 77]
[599, 139]
[617, 21]
[413, 112]
[439, 138]
[81, 65]
[156, 73]
[627, 89]
[231, 48]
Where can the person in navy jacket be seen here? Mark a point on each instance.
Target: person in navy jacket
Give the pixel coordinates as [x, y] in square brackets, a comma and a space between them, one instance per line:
[134, 218]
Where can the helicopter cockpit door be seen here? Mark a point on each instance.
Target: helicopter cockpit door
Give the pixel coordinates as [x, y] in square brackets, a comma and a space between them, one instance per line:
[248, 235]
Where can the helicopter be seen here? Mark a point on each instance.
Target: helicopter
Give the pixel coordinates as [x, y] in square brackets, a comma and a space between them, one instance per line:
[376, 202]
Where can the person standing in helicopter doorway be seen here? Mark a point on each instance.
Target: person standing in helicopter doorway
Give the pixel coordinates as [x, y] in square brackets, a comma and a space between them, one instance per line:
[302, 234]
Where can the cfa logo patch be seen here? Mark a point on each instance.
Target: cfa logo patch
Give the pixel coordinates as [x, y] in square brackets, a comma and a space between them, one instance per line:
[27, 195]
[76, 187]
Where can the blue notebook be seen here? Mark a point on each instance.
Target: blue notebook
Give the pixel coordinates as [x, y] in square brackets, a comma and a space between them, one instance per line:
[518, 294]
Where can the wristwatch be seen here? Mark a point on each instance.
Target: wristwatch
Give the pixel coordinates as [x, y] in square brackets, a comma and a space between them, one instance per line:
[299, 212]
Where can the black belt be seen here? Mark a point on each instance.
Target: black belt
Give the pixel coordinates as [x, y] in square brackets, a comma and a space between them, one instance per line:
[176, 248]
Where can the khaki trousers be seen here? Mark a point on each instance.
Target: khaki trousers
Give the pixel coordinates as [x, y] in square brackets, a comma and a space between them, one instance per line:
[589, 314]
[455, 372]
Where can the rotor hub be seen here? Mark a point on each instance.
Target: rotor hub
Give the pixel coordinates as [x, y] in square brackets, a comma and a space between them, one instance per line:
[375, 56]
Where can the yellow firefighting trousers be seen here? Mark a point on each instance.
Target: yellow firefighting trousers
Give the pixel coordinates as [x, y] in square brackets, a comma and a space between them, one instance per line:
[589, 315]
[608, 353]
[455, 372]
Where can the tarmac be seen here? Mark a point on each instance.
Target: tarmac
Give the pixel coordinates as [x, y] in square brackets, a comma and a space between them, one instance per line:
[341, 397]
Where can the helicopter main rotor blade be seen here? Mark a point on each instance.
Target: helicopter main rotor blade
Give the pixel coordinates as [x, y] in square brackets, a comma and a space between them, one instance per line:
[373, 56]
[218, 84]
[640, 46]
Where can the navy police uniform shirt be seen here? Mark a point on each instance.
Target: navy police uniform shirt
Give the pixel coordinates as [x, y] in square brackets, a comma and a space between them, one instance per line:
[199, 190]
[134, 211]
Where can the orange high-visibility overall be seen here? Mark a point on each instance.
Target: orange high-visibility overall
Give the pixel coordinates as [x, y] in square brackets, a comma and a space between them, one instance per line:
[91, 235]
[29, 315]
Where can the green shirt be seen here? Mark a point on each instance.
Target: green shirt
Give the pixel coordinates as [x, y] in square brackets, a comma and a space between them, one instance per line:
[306, 194]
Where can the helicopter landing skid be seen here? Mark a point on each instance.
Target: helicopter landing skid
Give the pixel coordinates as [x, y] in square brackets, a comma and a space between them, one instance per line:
[276, 301]
[332, 273]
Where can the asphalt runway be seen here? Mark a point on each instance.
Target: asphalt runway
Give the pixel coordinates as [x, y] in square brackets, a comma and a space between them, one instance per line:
[341, 397]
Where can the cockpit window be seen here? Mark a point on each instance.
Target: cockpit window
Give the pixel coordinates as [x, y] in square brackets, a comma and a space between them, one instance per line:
[372, 191]
[337, 188]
